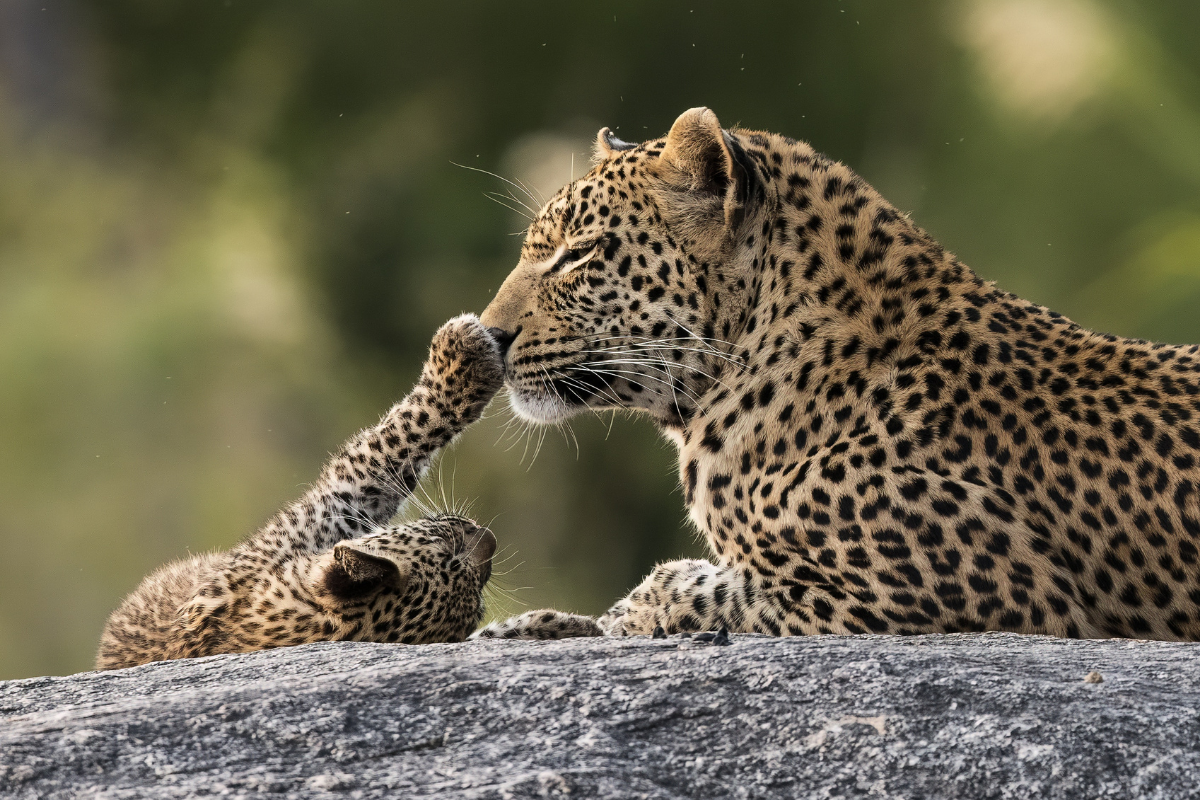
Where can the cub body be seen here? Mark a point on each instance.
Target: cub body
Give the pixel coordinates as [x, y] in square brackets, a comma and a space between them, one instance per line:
[328, 567]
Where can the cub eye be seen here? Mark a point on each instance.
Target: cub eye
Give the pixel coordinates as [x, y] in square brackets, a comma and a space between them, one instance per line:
[573, 257]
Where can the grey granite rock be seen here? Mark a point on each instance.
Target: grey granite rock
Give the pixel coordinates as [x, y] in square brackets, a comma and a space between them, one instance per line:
[964, 716]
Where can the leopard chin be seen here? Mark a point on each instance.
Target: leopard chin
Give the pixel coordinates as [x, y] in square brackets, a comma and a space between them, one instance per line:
[540, 408]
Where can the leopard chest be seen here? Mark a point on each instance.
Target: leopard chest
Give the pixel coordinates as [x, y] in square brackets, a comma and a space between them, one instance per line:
[768, 470]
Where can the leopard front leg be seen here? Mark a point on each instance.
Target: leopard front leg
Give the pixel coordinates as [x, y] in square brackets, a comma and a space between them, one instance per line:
[681, 596]
[545, 623]
[694, 595]
[678, 596]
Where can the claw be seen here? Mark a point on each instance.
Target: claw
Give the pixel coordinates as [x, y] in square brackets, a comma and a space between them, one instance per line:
[720, 638]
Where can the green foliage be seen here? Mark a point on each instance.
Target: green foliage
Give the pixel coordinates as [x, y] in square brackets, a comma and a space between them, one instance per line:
[227, 232]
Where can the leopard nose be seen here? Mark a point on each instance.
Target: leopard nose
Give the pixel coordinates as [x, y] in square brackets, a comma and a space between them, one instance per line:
[504, 339]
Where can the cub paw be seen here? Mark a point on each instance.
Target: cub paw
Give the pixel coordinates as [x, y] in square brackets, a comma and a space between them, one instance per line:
[542, 624]
[465, 362]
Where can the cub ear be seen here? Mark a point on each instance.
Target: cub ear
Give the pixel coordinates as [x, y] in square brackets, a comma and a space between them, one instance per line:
[352, 573]
[701, 158]
[607, 144]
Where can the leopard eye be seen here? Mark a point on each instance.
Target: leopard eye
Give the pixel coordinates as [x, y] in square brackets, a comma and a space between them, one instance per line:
[574, 256]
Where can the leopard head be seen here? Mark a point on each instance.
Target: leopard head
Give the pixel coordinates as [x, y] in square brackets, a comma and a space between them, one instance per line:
[415, 583]
[633, 280]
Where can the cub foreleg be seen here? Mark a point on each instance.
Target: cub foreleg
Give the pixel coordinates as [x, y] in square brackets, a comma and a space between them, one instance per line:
[545, 623]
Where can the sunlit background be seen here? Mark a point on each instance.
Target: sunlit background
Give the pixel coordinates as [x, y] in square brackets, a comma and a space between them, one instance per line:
[228, 230]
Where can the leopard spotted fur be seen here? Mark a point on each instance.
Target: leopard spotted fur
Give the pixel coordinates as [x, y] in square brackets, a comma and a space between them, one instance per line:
[871, 437]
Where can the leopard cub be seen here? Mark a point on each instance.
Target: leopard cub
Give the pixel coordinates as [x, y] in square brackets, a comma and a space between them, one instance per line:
[328, 566]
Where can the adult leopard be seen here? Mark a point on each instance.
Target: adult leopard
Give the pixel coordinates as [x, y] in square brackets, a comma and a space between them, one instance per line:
[871, 437]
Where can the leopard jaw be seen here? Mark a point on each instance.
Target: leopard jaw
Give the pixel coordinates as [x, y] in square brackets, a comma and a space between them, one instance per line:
[540, 409]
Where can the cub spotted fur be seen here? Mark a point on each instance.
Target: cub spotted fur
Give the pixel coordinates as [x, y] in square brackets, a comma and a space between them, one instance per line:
[327, 567]
[871, 437]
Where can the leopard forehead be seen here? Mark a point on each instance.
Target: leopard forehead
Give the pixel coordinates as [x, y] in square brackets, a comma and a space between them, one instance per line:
[585, 209]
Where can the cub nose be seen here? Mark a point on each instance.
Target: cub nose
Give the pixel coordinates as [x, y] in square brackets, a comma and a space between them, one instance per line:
[504, 339]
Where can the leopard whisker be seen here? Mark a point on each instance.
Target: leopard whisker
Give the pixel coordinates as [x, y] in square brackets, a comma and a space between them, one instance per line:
[674, 394]
[514, 427]
[492, 196]
[697, 370]
[537, 450]
[697, 340]
[602, 373]
[563, 426]
[498, 177]
[506, 597]
[649, 346]
[630, 362]
[624, 373]
[520, 202]
[609, 392]
[541, 201]
[505, 554]
[693, 337]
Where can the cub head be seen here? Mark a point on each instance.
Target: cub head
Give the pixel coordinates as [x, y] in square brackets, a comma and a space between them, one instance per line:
[633, 280]
[416, 583]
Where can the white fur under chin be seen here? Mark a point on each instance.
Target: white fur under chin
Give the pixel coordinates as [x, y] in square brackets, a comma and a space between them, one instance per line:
[539, 409]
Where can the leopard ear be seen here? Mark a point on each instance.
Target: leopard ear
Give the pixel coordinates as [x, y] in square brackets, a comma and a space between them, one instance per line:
[702, 158]
[607, 144]
[351, 573]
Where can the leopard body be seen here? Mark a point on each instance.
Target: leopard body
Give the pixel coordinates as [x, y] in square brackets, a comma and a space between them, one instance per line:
[871, 437]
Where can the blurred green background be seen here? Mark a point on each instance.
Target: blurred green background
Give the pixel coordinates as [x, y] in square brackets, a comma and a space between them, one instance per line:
[228, 230]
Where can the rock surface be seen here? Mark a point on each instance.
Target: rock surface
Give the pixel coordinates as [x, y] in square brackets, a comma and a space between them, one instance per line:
[962, 716]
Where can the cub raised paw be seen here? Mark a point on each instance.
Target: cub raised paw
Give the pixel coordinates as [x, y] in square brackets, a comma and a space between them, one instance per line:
[464, 368]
